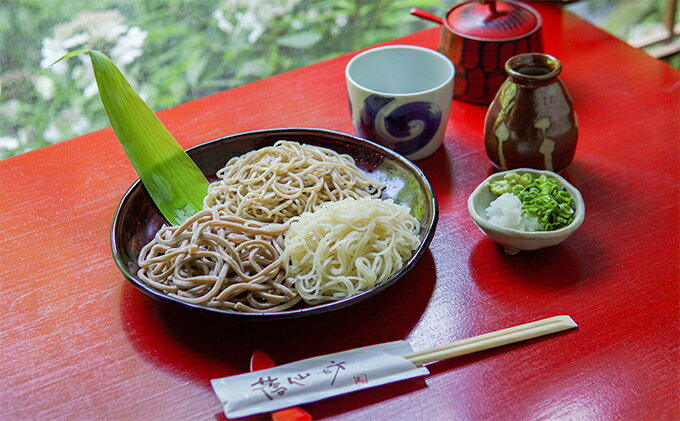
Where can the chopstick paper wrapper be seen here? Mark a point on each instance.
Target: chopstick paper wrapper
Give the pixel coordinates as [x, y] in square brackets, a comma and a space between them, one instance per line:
[315, 379]
[331, 375]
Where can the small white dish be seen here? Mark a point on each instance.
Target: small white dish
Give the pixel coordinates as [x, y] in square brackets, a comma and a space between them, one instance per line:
[514, 240]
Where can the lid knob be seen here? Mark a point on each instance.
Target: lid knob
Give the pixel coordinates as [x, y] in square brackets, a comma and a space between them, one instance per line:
[492, 6]
[492, 20]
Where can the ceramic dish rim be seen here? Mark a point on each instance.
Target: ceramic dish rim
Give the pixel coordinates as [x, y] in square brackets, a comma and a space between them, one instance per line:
[484, 222]
[428, 231]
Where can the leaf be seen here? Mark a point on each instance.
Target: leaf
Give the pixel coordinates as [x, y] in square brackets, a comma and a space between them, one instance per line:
[195, 70]
[300, 40]
[69, 55]
[174, 182]
[257, 67]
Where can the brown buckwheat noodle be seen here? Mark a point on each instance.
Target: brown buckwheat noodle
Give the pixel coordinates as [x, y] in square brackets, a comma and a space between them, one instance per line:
[231, 254]
[275, 183]
[216, 259]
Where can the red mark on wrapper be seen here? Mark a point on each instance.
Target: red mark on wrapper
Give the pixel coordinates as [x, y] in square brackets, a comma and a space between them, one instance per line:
[361, 379]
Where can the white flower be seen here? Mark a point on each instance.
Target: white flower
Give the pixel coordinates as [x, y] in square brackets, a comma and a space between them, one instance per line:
[45, 86]
[104, 25]
[75, 40]
[248, 21]
[52, 133]
[251, 16]
[7, 142]
[296, 24]
[128, 47]
[51, 51]
[83, 76]
[234, 4]
[222, 22]
[79, 74]
[255, 34]
[10, 108]
[115, 31]
[341, 20]
[24, 133]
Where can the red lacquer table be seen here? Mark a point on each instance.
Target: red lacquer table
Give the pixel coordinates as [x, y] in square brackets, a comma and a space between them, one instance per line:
[79, 342]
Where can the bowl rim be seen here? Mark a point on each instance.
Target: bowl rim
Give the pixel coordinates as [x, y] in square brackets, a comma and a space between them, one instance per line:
[484, 222]
[352, 79]
[428, 230]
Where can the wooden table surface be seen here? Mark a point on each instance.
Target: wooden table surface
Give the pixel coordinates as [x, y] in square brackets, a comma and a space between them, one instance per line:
[79, 342]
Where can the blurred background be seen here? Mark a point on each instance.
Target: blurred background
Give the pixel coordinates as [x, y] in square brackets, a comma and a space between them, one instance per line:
[174, 51]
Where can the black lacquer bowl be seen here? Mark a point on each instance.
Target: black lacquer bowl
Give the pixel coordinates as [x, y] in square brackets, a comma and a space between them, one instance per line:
[137, 219]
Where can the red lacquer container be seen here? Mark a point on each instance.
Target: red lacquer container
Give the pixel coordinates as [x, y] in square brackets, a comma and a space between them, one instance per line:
[479, 37]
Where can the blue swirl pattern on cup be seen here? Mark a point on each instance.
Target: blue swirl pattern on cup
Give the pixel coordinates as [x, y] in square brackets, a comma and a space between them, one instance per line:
[405, 129]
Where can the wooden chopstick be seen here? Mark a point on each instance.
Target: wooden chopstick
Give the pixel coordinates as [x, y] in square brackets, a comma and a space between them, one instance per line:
[492, 340]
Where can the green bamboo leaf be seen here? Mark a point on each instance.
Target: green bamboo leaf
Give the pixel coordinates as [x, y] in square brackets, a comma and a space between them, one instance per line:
[174, 182]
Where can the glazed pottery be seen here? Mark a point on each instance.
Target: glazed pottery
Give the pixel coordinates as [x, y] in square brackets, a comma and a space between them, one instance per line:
[479, 37]
[400, 97]
[531, 122]
[137, 219]
[513, 240]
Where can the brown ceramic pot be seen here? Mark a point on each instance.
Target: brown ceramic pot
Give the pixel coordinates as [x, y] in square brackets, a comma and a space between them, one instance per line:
[531, 121]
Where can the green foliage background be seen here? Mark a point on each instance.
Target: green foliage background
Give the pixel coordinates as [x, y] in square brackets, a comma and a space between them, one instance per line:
[185, 54]
[189, 49]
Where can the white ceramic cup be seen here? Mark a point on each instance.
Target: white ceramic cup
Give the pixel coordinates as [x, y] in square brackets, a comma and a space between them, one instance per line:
[400, 96]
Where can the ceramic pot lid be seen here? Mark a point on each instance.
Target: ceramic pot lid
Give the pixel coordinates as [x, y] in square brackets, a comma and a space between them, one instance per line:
[492, 20]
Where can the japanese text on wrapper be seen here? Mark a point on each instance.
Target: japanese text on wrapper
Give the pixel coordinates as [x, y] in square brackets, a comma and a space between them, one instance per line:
[273, 387]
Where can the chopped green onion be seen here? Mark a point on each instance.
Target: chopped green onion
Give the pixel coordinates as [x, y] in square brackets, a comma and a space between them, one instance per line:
[509, 182]
[541, 197]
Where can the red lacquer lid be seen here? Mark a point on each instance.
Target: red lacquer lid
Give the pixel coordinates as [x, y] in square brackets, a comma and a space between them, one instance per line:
[493, 20]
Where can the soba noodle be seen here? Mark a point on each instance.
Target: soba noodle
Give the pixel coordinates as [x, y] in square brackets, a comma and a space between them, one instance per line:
[347, 247]
[282, 224]
[278, 182]
[216, 259]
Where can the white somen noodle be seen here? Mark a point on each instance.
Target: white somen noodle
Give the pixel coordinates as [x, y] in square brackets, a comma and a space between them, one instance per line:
[347, 247]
